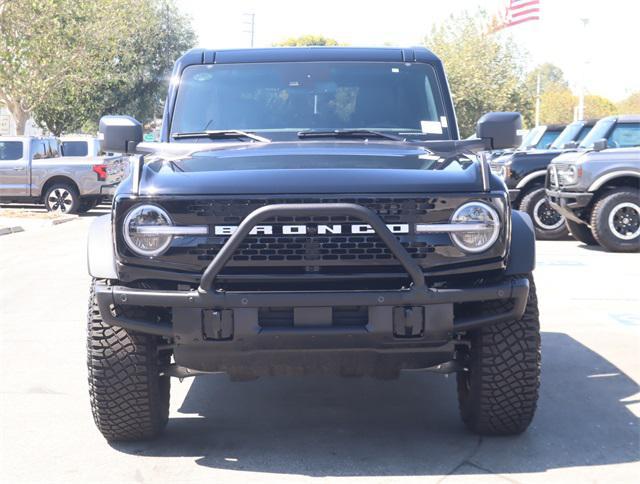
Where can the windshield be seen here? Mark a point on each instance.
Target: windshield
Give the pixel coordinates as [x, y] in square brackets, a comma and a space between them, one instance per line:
[531, 138]
[290, 97]
[546, 139]
[570, 133]
[600, 130]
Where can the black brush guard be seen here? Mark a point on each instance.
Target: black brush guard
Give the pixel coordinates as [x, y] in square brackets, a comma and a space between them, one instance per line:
[402, 324]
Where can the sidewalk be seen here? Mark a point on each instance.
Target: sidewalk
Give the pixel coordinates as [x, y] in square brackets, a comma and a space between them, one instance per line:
[13, 220]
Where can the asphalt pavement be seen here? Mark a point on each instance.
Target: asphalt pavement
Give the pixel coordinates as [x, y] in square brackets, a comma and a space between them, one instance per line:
[311, 429]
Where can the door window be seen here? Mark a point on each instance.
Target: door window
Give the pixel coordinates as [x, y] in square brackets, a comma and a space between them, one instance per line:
[39, 149]
[624, 135]
[10, 150]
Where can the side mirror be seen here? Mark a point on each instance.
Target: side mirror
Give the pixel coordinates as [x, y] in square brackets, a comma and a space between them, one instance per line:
[571, 145]
[500, 130]
[120, 134]
[600, 145]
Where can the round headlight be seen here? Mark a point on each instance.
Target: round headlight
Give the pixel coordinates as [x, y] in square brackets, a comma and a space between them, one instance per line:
[572, 174]
[140, 233]
[486, 228]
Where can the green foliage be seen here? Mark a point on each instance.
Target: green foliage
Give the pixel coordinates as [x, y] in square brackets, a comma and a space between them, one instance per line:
[485, 73]
[307, 41]
[67, 62]
[551, 77]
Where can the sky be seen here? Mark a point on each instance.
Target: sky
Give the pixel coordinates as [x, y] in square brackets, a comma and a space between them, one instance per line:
[603, 55]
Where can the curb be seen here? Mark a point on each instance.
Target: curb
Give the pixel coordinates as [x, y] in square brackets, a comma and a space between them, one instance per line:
[58, 221]
[10, 230]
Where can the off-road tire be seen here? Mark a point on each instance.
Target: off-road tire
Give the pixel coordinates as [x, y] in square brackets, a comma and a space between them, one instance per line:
[581, 232]
[531, 202]
[62, 197]
[498, 394]
[129, 398]
[600, 220]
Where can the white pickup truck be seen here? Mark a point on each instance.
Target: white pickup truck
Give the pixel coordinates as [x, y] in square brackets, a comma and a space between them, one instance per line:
[67, 175]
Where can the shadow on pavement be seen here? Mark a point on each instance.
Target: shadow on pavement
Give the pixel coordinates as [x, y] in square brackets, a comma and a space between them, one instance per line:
[340, 427]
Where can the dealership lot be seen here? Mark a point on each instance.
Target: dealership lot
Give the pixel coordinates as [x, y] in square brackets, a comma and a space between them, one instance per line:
[302, 429]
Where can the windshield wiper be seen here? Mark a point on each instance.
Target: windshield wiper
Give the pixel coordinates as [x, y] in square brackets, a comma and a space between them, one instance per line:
[347, 133]
[221, 134]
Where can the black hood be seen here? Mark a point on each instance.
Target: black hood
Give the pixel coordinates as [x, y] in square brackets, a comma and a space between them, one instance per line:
[310, 167]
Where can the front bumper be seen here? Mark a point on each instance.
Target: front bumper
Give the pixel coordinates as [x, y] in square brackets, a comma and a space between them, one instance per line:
[569, 204]
[216, 330]
[408, 328]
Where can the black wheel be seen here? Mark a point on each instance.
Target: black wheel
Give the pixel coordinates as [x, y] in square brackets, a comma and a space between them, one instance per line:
[62, 198]
[499, 392]
[129, 398]
[87, 204]
[548, 223]
[581, 232]
[615, 220]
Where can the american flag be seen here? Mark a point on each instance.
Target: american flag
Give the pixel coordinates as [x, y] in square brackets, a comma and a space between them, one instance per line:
[518, 12]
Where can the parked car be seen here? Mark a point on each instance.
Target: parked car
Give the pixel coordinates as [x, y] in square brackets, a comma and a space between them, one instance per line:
[598, 190]
[524, 174]
[32, 170]
[332, 222]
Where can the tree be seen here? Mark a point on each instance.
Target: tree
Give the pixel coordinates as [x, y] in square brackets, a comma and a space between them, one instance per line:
[551, 77]
[557, 105]
[66, 62]
[484, 72]
[598, 107]
[307, 41]
[630, 105]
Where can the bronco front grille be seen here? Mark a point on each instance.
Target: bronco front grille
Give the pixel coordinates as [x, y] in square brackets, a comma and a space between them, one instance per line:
[312, 249]
[313, 252]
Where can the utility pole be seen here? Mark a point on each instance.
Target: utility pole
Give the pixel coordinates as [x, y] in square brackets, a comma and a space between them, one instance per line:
[585, 23]
[251, 23]
[538, 100]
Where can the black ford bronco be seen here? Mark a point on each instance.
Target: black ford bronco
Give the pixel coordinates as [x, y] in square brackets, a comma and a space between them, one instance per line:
[311, 210]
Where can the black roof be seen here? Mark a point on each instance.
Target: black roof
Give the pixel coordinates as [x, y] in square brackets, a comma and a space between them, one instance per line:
[292, 54]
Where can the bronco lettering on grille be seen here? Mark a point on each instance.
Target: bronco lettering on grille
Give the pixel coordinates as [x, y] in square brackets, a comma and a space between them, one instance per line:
[332, 229]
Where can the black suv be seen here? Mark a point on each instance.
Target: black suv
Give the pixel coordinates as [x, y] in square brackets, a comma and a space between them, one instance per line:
[311, 210]
[524, 173]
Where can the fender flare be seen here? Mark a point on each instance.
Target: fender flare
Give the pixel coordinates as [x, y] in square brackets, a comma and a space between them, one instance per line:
[598, 182]
[531, 176]
[522, 256]
[101, 258]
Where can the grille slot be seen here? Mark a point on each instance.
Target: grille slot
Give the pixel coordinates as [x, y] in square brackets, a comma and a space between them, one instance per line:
[313, 249]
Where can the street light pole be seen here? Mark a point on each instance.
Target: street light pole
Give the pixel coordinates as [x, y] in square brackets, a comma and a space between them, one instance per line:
[585, 23]
[251, 22]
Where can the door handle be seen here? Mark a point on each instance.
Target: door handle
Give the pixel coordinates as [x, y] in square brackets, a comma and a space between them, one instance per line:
[19, 168]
